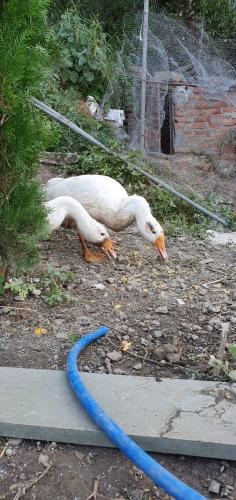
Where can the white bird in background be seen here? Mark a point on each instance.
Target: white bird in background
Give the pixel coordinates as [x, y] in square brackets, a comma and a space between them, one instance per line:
[108, 203]
[64, 209]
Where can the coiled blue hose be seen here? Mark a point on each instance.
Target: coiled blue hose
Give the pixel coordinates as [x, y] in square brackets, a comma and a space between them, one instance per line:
[161, 477]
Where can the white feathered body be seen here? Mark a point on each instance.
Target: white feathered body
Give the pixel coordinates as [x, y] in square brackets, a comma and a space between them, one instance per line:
[103, 197]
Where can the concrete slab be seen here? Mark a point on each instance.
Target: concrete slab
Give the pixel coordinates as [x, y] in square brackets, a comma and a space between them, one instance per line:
[172, 416]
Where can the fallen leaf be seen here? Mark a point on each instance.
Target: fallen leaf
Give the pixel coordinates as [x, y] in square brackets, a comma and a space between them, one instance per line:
[40, 331]
[125, 345]
[117, 306]
[125, 280]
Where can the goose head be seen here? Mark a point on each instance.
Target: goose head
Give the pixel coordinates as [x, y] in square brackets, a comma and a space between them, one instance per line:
[98, 234]
[152, 231]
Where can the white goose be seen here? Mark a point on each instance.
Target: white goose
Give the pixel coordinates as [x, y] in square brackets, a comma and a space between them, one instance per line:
[67, 209]
[108, 202]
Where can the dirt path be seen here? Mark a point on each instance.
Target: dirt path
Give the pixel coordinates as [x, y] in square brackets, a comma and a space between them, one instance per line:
[145, 303]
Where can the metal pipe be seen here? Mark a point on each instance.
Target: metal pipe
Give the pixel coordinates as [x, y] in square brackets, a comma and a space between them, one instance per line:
[154, 180]
[144, 72]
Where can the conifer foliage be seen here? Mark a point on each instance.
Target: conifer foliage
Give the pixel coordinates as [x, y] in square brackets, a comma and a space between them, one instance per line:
[24, 132]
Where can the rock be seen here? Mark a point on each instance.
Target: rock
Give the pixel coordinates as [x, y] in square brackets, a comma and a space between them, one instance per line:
[194, 336]
[99, 286]
[216, 308]
[84, 320]
[9, 452]
[162, 310]
[114, 356]
[44, 460]
[86, 368]
[138, 366]
[79, 455]
[157, 334]
[214, 487]
[232, 319]
[14, 442]
[173, 357]
[144, 342]
[158, 353]
[110, 280]
[19, 299]
[62, 336]
[118, 371]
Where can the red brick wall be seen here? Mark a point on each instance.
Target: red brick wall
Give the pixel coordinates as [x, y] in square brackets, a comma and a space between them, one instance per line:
[202, 125]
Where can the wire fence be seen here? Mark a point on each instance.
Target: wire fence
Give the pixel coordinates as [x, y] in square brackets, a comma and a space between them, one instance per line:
[190, 110]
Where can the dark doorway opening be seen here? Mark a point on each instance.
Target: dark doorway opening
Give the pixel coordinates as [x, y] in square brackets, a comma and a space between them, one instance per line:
[167, 126]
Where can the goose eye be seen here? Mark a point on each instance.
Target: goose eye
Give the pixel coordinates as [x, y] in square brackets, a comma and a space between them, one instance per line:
[102, 234]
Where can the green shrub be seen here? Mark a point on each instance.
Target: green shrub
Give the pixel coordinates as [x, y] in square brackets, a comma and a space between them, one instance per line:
[85, 54]
[24, 130]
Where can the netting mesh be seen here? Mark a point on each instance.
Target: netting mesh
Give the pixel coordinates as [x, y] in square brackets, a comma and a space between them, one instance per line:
[179, 61]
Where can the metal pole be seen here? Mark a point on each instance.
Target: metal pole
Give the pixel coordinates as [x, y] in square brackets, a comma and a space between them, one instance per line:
[154, 180]
[144, 72]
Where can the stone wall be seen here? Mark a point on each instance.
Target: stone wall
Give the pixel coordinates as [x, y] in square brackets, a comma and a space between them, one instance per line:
[205, 125]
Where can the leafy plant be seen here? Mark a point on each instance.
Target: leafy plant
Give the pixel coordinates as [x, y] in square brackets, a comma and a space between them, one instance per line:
[85, 55]
[223, 366]
[52, 281]
[20, 288]
[232, 350]
[72, 338]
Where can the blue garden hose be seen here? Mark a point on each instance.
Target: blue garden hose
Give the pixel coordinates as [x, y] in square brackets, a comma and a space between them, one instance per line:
[161, 477]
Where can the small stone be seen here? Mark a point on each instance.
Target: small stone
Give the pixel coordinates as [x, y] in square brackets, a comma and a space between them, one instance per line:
[79, 455]
[114, 356]
[14, 442]
[44, 460]
[55, 357]
[214, 487]
[233, 306]
[99, 286]
[162, 310]
[194, 336]
[163, 362]
[173, 357]
[118, 371]
[111, 281]
[38, 445]
[158, 353]
[214, 308]
[19, 299]
[138, 366]
[9, 452]
[62, 336]
[144, 342]
[157, 334]
[86, 368]
[232, 319]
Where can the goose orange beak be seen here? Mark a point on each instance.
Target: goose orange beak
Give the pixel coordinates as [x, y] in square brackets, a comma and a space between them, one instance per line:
[159, 245]
[108, 248]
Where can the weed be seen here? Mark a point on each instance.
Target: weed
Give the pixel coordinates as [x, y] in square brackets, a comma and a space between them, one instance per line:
[52, 281]
[73, 337]
[21, 288]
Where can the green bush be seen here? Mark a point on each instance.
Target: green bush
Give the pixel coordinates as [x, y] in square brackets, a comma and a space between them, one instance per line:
[85, 54]
[24, 130]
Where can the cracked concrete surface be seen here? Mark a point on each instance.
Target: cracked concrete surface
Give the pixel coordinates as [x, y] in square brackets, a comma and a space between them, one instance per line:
[172, 416]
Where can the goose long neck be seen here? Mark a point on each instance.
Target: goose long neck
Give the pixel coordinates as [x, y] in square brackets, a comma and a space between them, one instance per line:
[78, 213]
[136, 207]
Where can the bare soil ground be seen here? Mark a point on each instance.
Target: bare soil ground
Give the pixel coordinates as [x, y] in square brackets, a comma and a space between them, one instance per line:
[145, 302]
